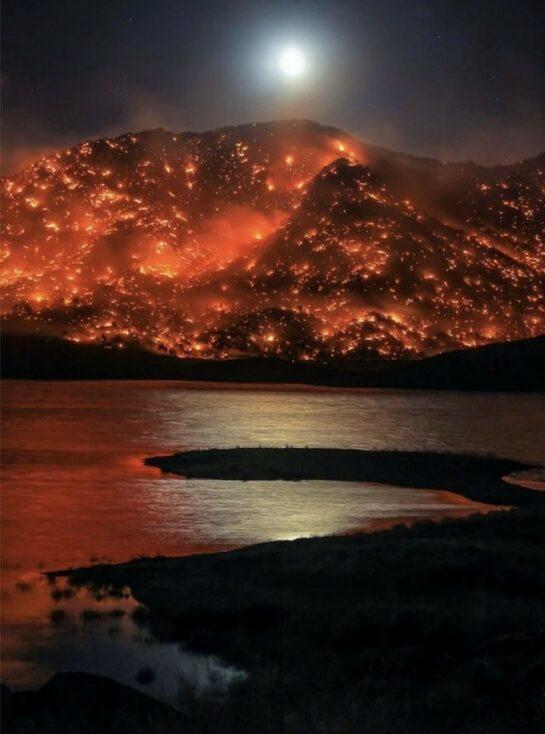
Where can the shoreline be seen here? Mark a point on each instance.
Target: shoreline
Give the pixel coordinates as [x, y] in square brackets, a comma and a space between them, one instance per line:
[476, 478]
[516, 366]
[249, 386]
[416, 619]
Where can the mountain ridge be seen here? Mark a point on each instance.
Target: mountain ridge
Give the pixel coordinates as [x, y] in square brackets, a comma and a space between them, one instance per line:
[152, 237]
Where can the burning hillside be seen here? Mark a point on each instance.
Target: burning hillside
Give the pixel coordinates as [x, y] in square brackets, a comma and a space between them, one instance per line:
[287, 238]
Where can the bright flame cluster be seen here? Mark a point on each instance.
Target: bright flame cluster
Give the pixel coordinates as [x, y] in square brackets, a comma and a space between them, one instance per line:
[282, 238]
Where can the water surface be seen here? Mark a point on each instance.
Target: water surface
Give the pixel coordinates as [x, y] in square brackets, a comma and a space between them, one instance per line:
[75, 490]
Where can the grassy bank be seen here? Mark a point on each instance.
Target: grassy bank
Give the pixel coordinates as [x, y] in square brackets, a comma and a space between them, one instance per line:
[440, 627]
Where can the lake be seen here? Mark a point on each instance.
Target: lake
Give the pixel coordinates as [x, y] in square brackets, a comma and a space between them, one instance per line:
[75, 490]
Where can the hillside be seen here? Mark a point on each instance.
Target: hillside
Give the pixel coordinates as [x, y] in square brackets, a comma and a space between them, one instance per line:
[285, 239]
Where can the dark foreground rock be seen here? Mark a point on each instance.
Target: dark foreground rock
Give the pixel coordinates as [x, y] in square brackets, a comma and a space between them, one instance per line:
[81, 703]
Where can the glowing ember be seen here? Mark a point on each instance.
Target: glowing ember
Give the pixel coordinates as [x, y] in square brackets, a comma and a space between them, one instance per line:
[261, 240]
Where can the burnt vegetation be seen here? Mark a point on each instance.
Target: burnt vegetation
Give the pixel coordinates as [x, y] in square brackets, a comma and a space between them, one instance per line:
[284, 239]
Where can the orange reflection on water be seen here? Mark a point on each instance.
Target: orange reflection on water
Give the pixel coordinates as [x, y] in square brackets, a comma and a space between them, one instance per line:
[75, 489]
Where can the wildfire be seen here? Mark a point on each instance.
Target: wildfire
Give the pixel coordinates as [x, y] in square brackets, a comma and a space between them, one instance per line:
[273, 239]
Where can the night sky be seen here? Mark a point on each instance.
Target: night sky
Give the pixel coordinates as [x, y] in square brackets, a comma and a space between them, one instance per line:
[455, 80]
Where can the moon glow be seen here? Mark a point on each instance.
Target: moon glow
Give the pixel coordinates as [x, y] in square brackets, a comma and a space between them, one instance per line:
[291, 62]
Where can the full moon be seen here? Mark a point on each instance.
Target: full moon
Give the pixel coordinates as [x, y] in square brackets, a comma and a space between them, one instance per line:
[291, 62]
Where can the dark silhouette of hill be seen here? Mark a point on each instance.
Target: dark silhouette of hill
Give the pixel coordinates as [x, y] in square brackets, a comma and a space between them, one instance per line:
[51, 358]
[516, 366]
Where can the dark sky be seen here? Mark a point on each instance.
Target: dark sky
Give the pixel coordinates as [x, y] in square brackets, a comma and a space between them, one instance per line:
[455, 80]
